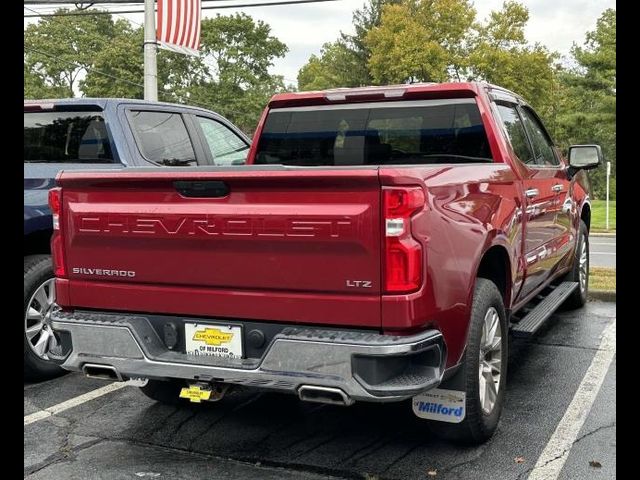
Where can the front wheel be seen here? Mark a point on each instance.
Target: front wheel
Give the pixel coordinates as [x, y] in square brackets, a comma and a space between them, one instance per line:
[482, 373]
[580, 271]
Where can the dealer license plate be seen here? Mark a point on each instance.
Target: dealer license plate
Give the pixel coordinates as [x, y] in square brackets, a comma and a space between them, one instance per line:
[213, 340]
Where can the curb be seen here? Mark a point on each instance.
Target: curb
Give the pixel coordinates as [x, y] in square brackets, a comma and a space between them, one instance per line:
[602, 295]
[607, 235]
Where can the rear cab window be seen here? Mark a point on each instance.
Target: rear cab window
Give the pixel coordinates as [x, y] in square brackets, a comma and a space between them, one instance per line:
[377, 133]
[66, 137]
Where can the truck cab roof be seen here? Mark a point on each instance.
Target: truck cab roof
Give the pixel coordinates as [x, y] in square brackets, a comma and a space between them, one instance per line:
[388, 92]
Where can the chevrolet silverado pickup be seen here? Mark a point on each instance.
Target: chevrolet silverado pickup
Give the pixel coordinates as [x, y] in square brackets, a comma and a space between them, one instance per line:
[110, 133]
[379, 247]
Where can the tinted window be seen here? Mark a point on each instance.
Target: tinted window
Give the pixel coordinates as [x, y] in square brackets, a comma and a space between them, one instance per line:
[226, 147]
[542, 145]
[375, 134]
[163, 138]
[66, 137]
[515, 130]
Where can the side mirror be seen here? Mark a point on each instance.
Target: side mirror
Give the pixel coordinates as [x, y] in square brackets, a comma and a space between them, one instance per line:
[585, 157]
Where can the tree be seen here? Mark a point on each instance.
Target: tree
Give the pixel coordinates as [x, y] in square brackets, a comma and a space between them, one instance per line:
[35, 86]
[237, 54]
[96, 56]
[337, 66]
[58, 49]
[588, 110]
[118, 69]
[500, 54]
[343, 63]
[420, 40]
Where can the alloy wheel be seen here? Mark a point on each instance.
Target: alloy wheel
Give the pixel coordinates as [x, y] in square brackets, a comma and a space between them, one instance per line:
[490, 360]
[38, 330]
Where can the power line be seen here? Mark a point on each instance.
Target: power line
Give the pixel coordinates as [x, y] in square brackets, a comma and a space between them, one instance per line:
[219, 7]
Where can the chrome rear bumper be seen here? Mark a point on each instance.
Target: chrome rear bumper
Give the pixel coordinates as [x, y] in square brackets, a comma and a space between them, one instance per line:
[365, 366]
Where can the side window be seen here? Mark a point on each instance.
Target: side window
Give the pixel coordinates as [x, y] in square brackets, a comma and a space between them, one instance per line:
[226, 147]
[163, 138]
[542, 145]
[517, 135]
[66, 137]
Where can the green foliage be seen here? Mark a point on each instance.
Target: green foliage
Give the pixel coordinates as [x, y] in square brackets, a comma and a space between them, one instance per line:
[35, 86]
[337, 66]
[236, 83]
[587, 113]
[231, 75]
[58, 49]
[343, 63]
[420, 40]
[599, 214]
[501, 55]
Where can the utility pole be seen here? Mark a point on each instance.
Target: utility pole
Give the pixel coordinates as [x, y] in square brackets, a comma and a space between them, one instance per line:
[150, 51]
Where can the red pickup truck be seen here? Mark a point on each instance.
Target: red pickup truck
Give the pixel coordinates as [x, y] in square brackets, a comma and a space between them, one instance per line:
[379, 247]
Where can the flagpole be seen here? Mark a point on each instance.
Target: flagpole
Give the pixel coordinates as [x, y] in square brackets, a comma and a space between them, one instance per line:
[150, 50]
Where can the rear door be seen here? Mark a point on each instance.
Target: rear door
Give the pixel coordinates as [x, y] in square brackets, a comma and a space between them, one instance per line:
[162, 135]
[540, 198]
[557, 189]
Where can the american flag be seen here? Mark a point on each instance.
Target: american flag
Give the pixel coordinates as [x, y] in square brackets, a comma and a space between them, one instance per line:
[178, 25]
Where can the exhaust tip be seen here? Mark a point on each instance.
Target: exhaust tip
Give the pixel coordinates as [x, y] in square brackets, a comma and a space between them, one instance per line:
[103, 372]
[332, 396]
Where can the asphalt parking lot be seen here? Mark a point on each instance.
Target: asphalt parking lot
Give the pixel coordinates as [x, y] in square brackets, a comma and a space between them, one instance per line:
[551, 427]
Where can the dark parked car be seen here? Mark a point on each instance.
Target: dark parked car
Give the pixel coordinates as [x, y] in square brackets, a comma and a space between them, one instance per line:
[75, 134]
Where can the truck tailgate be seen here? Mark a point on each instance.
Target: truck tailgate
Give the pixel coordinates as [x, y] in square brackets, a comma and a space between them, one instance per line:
[279, 244]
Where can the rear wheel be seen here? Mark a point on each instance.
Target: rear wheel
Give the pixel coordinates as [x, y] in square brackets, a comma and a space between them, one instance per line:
[483, 370]
[580, 271]
[39, 298]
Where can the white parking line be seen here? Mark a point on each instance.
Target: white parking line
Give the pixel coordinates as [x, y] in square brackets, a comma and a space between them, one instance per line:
[555, 454]
[74, 402]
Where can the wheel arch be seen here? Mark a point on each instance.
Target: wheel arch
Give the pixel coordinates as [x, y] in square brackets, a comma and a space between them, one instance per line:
[585, 214]
[495, 265]
[37, 242]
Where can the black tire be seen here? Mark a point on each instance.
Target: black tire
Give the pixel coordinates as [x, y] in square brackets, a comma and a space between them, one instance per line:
[166, 392]
[37, 270]
[578, 297]
[477, 426]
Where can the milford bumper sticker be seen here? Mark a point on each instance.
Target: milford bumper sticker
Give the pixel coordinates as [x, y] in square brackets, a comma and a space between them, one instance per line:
[441, 405]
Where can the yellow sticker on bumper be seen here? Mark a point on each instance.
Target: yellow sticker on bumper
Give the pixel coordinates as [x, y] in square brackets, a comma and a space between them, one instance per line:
[195, 394]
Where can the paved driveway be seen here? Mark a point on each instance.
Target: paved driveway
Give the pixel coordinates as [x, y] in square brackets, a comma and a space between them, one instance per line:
[124, 435]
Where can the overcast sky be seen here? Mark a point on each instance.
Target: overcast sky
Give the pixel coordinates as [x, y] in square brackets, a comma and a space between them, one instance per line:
[304, 28]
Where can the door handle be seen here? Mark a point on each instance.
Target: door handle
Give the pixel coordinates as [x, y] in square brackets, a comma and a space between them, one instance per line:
[557, 188]
[532, 192]
[202, 188]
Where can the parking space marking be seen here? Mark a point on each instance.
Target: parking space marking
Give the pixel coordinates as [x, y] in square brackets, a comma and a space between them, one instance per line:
[73, 402]
[555, 454]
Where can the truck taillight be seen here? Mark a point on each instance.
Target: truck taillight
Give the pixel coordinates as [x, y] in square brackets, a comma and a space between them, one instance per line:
[403, 253]
[57, 240]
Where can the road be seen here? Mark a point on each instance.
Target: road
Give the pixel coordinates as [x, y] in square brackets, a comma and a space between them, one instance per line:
[602, 252]
[124, 435]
